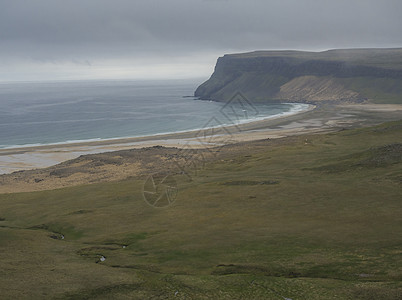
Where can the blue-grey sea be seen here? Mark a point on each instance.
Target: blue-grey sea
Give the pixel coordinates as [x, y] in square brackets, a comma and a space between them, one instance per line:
[35, 113]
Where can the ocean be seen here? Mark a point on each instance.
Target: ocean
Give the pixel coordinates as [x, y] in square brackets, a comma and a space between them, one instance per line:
[40, 113]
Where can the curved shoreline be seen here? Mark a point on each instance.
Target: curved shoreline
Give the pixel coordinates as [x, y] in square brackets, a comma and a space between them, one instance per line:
[117, 140]
[151, 137]
[316, 119]
[41, 156]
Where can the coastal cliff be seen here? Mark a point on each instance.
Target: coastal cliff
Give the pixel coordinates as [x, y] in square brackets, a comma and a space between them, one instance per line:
[353, 75]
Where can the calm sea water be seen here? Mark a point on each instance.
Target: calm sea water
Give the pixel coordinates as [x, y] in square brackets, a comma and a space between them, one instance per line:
[57, 112]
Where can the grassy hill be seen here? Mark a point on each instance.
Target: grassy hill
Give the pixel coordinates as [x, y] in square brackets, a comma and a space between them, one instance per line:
[307, 217]
[298, 76]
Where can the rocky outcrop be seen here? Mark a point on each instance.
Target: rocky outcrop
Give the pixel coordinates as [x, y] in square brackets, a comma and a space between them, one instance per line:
[335, 75]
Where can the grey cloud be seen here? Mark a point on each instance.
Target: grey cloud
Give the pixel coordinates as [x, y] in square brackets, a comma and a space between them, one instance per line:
[88, 30]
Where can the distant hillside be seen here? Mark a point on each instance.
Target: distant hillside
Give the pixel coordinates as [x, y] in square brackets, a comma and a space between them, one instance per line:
[336, 75]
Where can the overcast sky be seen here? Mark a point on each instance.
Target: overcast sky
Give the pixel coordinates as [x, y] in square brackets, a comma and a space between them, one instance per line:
[83, 39]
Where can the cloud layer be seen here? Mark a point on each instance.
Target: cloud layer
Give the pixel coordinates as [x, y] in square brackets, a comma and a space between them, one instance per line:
[84, 37]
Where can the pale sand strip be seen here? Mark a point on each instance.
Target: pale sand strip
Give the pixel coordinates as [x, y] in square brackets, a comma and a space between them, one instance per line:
[322, 119]
[27, 158]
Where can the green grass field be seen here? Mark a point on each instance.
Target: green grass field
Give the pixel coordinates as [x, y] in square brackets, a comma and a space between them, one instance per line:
[313, 217]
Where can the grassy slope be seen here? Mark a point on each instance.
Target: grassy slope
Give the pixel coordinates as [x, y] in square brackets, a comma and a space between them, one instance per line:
[390, 58]
[379, 90]
[316, 217]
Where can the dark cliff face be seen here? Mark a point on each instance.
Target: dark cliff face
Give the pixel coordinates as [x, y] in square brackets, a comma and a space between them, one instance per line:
[263, 75]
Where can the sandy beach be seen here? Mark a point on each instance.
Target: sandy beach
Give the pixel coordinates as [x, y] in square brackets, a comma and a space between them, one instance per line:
[320, 118]
[32, 157]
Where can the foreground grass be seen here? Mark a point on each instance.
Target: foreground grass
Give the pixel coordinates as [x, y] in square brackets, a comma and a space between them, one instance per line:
[315, 217]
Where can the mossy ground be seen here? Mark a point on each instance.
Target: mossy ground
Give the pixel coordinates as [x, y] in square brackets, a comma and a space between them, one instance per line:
[318, 217]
